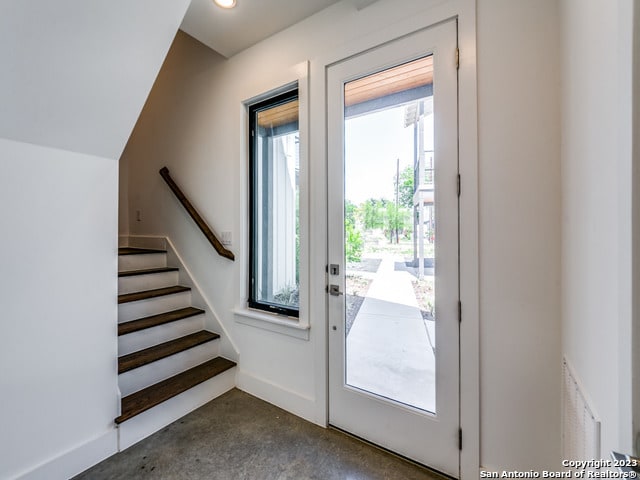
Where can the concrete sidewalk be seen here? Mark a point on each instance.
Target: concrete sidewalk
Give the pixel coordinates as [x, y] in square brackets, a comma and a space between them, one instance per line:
[389, 347]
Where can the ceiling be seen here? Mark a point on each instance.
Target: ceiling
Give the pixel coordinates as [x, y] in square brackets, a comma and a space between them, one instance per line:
[229, 31]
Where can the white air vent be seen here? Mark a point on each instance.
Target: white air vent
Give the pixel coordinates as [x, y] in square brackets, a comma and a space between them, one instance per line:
[580, 425]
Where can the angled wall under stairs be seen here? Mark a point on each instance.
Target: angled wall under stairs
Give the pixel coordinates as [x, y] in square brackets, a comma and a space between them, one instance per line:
[169, 362]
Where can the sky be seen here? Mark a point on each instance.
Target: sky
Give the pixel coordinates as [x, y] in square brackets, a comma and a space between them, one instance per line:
[373, 143]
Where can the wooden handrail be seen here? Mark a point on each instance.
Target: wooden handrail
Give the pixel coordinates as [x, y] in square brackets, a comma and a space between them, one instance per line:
[217, 245]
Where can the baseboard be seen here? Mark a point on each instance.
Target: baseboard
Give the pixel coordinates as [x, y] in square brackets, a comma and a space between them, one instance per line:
[293, 402]
[76, 460]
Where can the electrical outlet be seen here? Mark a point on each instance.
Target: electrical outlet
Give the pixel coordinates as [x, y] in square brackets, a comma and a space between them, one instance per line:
[226, 238]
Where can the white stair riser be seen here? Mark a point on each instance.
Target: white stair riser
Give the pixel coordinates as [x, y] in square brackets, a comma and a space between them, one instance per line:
[141, 261]
[153, 306]
[138, 283]
[132, 342]
[143, 425]
[142, 377]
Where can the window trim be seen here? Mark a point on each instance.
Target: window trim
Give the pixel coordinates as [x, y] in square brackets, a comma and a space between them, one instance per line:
[292, 92]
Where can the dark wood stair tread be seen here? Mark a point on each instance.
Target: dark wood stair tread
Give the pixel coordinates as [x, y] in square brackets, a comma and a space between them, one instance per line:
[163, 350]
[155, 320]
[149, 397]
[138, 251]
[146, 294]
[148, 271]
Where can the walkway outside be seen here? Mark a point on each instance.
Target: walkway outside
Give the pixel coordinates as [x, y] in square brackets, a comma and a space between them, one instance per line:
[390, 347]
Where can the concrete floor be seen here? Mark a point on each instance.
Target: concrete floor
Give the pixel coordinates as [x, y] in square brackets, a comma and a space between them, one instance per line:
[237, 436]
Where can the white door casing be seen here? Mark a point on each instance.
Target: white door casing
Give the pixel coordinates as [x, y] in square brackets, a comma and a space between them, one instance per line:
[428, 438]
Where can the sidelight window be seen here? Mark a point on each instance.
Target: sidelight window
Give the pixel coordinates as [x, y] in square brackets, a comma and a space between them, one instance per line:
[274, 266]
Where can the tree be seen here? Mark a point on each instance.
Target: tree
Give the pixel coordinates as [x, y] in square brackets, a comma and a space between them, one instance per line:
[396, 221]
[406, 187]
[373, 213]
[350, 209]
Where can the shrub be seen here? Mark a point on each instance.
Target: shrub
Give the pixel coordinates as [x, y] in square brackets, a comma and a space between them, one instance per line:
[353, 243]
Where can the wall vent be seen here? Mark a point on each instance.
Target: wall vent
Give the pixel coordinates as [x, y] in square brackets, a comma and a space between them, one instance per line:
[580, 425]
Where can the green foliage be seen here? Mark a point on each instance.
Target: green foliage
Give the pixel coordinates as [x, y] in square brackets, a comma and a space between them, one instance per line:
[373, 213]
[397, 221]
[392, 223]
[350, 210]
[353, 239]
[406, 189]
[353, 243]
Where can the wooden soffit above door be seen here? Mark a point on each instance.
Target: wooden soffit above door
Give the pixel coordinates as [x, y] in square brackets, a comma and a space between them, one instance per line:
[279, 115]
[407, 76]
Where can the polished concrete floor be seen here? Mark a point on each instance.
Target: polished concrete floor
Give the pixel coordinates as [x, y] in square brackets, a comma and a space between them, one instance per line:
[237, 437]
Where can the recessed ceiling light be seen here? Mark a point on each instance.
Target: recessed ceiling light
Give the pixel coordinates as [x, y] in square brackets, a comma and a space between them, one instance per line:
[225, 3]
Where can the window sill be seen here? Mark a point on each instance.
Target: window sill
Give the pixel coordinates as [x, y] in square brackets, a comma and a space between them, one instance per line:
[272, 322]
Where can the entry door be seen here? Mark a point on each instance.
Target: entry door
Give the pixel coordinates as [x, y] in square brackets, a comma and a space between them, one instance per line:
[393, 247]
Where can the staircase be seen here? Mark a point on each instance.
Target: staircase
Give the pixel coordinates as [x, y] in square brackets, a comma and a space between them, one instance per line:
[168, 363]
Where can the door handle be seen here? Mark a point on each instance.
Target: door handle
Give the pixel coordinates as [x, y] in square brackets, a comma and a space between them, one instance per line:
[335, 290]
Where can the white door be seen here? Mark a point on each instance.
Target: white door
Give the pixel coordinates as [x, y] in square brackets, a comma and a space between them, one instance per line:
[393, 247]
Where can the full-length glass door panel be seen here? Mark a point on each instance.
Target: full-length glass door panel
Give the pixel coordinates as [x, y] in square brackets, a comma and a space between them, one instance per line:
[393, 247]
[390, 234]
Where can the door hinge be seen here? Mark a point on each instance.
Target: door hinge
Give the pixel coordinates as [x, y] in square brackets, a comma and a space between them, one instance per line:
[459, 185]
[459, 439]
[457, 58]
[459, 311]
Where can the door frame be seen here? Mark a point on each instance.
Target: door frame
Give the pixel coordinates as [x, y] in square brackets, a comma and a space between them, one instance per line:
[465, 12]
[429, 438]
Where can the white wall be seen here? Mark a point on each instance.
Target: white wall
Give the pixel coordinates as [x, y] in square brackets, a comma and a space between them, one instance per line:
[69, 59]
[74, 78]
[518, 127]
[57, 364]
[193, 123]
[596, 184]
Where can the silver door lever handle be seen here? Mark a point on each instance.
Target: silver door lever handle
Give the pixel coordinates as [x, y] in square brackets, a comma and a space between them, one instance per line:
[335, 290]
